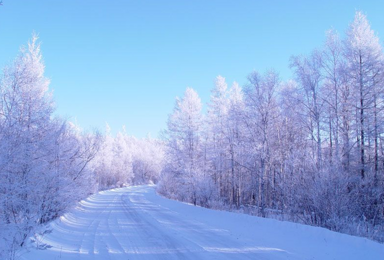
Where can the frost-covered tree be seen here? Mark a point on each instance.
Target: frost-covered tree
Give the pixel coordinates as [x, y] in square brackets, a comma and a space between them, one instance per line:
[43, 161]
[364, 57]
[216, 129]
[113, 163]
[147, 160]
[25, 115]
[309, 77]
[125, 160]
[235, 136]
[103, 163]
[332, 64]
[261, 112]
[122, 159]
[183, 170]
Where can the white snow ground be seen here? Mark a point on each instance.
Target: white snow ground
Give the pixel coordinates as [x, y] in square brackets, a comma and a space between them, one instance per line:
[136, 223]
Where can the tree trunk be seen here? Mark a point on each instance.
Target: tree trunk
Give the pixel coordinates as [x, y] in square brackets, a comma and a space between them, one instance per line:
[362, 134]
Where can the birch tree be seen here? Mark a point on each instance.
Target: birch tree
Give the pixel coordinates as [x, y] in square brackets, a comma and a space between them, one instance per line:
[261, 112]
[216, 122]
[183, 148]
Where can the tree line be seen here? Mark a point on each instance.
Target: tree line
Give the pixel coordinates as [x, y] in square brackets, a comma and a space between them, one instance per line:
[48, 164]
[44, 160]
[308, 150]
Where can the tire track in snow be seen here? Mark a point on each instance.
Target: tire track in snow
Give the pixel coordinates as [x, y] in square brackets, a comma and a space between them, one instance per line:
[201, 240]
[113, 244]
[130, 223]
[158, 244]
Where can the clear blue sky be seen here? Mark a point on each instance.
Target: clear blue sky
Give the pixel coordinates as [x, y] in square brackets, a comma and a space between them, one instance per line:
[125, 61]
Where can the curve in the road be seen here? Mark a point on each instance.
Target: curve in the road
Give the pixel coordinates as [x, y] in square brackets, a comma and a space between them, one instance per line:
[135, 223]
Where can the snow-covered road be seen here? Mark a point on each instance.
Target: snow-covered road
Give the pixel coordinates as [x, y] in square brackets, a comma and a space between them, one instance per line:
[136, 223]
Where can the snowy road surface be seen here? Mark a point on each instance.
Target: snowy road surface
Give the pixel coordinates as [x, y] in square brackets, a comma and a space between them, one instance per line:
[136, 223]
